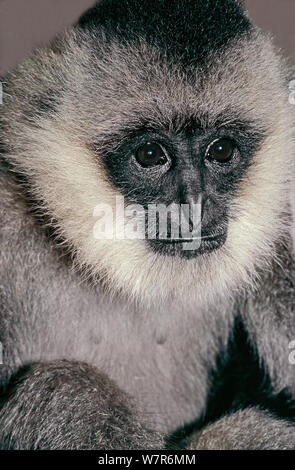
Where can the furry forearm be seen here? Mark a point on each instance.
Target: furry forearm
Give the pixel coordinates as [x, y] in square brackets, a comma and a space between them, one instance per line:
[68, 405]
[249, 429]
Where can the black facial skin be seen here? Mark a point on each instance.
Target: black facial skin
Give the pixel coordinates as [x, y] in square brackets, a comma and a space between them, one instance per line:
[185, 164]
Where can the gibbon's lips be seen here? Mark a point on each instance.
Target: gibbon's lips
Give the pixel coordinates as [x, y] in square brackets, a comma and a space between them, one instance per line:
[185, 249]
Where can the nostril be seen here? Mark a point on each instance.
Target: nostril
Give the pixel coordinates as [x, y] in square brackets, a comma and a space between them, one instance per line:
[204, 203]
[192, 210]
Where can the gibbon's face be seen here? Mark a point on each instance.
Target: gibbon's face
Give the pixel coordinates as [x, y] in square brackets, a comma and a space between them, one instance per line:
[165, 102]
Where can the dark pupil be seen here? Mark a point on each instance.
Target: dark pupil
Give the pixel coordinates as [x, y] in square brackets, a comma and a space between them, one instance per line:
[150, 155]
[222, 150]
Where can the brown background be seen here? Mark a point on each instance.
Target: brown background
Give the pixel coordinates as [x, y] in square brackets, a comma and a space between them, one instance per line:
[27, 23]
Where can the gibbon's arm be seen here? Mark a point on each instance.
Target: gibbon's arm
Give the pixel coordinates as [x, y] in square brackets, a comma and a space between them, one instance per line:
[70, 405]
[249, 429]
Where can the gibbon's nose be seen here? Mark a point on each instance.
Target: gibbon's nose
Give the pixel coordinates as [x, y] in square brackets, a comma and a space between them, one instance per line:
[193, 210]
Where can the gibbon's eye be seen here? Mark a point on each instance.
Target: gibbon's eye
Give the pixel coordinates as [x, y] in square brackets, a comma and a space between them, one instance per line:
[150, 154]
[221, 150]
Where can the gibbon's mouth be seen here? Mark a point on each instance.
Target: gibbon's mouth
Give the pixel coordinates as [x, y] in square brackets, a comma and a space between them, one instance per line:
[185, 248]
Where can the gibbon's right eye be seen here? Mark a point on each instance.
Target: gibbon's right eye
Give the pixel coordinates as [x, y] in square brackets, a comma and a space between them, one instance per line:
[151, 154]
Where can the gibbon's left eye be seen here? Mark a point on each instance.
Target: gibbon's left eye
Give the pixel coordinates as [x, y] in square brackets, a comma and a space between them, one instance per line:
[150, 154]
[221, 150]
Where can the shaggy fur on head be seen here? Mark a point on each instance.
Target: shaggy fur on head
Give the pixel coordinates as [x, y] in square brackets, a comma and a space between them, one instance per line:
[90, 90]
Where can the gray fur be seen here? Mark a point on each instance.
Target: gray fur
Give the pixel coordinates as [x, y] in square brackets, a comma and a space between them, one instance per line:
[106, 329]
[73, 406]
[250, 429]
